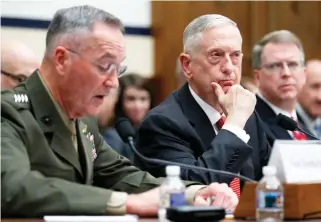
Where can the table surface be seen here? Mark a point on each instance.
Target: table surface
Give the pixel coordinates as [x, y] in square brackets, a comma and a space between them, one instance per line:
[146, 220]
[140, 220]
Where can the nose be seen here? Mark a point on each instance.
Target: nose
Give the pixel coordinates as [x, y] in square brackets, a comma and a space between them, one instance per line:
[137, 104]
[111, 80]
[227, 66]
[318, 94]
[285, 71]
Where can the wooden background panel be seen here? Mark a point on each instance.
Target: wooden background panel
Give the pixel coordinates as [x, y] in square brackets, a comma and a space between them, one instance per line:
[302, 18]
[253, 18]
[167, 29]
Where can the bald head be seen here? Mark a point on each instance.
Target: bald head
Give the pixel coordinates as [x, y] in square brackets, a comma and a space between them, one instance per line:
[16, 59]
[310, 95]
[314, 65]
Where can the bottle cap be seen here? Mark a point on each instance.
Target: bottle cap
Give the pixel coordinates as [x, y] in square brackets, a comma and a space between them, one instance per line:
[173, 170]
[269, 171]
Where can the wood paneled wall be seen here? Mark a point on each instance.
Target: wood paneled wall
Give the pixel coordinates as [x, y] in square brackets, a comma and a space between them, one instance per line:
[254, 18]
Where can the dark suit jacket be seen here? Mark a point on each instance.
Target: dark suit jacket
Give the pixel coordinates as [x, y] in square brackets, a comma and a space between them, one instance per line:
[112, 138]
[41, 172]
[178, 130]
[272, 129]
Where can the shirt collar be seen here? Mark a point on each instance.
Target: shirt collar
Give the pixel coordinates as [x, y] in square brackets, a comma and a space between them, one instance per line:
[68, 122]
[211, 113]
[278, 110]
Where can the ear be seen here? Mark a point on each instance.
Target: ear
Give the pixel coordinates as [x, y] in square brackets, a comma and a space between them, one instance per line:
[185, 61]
[256, 75]
[60, 56]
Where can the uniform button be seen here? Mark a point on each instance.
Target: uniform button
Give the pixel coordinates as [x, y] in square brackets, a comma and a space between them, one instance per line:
[46, 120]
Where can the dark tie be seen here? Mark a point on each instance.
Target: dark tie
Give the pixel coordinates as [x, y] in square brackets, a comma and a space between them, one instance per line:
[297, 135]
[235, 184]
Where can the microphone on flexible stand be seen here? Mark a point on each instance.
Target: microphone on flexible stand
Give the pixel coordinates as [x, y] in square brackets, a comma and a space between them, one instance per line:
[291, 125]
[126, 132]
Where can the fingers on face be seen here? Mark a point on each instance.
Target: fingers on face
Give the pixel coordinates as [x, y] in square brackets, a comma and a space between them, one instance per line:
[218, 91]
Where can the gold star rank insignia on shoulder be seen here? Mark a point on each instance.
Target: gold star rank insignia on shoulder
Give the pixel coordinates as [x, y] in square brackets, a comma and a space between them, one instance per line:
[20, 98]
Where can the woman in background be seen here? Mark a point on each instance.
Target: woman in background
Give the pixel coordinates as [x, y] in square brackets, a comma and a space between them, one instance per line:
[134, 101]
[135, 98]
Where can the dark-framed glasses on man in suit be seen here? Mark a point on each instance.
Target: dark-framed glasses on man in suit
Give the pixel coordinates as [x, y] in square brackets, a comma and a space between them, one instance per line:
[105, 69]
[279, 67]
[19, 78]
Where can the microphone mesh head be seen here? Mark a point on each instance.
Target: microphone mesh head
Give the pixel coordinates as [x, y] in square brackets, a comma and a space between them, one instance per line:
[286, 122]
[124, 129]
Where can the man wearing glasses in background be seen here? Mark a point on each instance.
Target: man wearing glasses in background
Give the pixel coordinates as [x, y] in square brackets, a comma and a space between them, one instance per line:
[17, 63]
[279, 70]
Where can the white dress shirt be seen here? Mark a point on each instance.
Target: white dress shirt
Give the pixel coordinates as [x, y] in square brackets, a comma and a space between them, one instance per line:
[213, 115]
[278, 110]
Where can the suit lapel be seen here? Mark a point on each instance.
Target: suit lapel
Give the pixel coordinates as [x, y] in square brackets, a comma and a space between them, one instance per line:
[50, 122]
[85, 148]
[280, 132]
[269, 117]
[196, 116]
[304, 126]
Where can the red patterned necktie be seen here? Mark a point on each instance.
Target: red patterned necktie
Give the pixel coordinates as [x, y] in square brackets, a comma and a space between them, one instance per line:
[235, 184]
[297, 135]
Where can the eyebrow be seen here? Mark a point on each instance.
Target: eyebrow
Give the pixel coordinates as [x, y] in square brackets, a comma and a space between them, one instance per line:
[109, 55]
[222, 50]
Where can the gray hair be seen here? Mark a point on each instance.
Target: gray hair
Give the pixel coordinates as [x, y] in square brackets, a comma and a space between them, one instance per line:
[193, 32]
[280, 36]
[70, 22]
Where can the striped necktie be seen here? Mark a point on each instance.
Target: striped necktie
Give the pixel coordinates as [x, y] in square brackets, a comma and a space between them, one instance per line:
[297, 135]
[235, 184]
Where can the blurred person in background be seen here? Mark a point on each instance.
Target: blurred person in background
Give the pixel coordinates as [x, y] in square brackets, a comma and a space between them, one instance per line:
[249, 84]
[106, 118]
[309, 106]
[135, 98]
[279, 70]
[17, 63]
[134, 101]
[106, 111]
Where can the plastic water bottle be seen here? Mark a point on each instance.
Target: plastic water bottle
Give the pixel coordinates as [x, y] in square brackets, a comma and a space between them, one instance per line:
[269, 197]
[172, 191]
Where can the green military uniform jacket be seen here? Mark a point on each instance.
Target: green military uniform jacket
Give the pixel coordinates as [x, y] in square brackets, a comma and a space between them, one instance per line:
[42, 173]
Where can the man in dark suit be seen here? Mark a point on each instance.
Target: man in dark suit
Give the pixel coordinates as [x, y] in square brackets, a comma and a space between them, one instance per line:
[278, 63]
[309, 98]
[186, 127]
[53, 159]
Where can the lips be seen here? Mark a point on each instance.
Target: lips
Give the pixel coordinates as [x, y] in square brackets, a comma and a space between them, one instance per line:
[225, 83]
[100, 96]
[286, 86]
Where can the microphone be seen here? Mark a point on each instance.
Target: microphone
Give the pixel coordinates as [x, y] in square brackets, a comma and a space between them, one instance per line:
[291, 125]
[126, 132]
